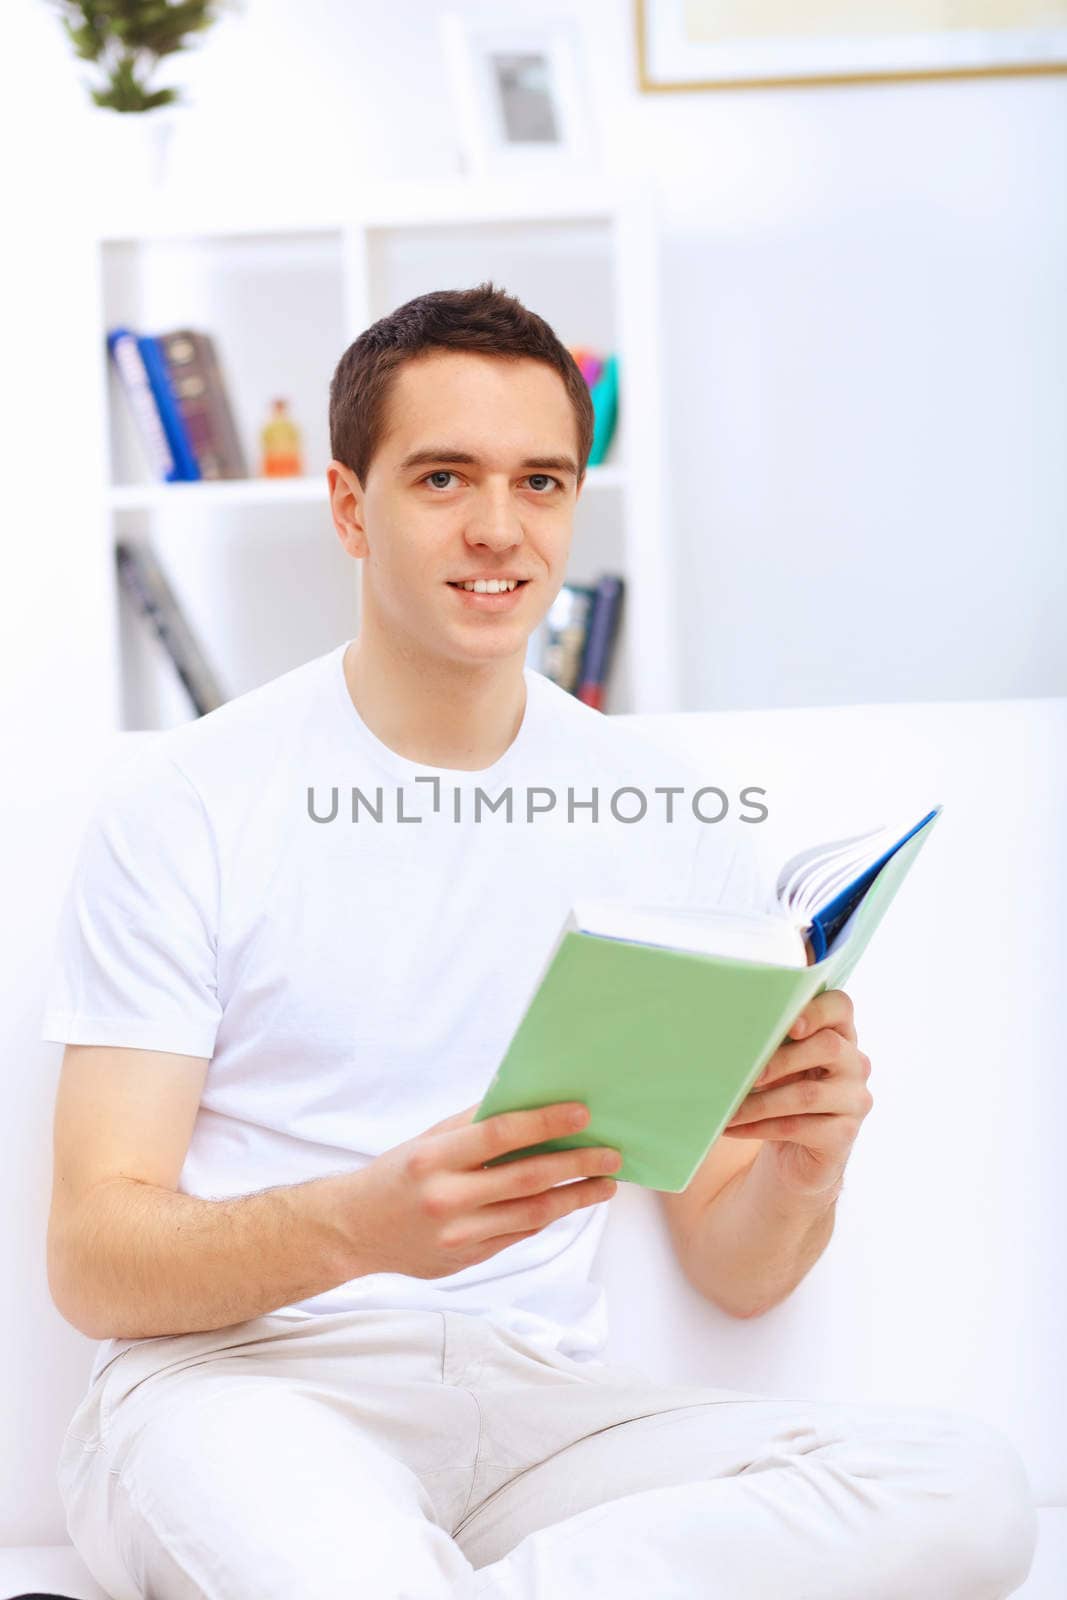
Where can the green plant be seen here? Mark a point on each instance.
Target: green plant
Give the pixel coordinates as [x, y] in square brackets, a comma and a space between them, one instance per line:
[128, 38]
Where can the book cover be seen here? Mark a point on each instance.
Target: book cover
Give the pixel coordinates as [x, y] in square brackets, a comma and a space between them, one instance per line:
[600, 641]
[181, 448]
[144, 580]
[196, 378]
[663, 1045]
[130, 369]
[565, 628]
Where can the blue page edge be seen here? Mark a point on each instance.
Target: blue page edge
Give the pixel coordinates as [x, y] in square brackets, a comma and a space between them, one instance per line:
[829, 919]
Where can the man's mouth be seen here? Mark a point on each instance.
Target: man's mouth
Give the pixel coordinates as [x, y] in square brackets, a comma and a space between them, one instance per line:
[488, 585]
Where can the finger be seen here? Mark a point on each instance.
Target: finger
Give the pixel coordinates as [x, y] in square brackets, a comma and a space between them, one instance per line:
[541, 1209]
[512, 1180]
[802, 1129]
[827, 1048]
[829, 1100]
[807, 1096]
[831, 1009]
[514, 1130]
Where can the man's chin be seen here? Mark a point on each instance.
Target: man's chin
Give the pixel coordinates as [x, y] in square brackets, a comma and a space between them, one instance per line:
[486, 645]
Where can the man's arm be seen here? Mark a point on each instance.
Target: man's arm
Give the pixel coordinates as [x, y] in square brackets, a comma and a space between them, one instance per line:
[748, 1247]
[131, 1258]
[746, 1238]
[143, 1261]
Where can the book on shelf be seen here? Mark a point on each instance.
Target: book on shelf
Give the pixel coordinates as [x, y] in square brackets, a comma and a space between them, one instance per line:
[575, 643]
[181, 446]
[146, 583]
[174, 385]
[196, 378]
[565, 626]
[132, 374]
[601, 634]
[661, 1019]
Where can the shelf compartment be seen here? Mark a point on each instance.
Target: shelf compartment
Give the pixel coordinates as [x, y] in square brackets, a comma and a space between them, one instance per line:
[273, 304]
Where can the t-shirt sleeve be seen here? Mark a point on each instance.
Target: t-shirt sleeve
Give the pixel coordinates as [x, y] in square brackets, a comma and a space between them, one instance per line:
[135, 958]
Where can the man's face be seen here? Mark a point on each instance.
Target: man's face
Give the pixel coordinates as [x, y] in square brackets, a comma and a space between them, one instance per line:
[475, 478]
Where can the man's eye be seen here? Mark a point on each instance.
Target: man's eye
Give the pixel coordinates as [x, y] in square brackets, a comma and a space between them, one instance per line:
[440, 473]
[546, 477]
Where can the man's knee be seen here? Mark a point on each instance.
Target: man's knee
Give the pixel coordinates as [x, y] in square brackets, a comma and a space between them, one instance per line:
[995, 1517]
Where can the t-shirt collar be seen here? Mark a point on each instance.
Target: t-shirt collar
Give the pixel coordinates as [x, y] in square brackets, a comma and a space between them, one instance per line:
[403, 770]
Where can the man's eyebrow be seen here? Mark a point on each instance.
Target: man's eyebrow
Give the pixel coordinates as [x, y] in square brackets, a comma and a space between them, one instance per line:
[442, 453]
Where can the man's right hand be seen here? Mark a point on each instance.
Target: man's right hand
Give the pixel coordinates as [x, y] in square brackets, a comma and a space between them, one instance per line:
[430, 1207]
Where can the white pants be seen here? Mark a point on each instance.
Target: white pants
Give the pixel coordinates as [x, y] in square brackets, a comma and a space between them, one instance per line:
[412, 1455]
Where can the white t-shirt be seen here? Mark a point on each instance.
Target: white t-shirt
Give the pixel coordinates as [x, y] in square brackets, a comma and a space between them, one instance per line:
[354, 976]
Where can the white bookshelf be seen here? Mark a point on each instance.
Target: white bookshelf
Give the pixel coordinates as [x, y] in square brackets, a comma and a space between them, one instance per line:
[256, 563]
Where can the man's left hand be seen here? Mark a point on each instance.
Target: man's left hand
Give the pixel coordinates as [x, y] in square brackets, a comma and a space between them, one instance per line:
[811, 1098]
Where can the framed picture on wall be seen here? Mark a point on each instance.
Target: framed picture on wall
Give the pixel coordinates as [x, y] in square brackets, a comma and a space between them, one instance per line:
[519, 97]
[735, 44]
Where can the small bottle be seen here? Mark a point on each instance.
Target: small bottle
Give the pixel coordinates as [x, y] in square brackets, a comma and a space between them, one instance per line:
[280, 443]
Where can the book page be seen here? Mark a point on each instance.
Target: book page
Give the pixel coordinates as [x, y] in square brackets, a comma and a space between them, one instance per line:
[745, 936]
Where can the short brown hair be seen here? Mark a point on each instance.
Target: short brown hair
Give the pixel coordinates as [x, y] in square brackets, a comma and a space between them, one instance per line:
[485, 320]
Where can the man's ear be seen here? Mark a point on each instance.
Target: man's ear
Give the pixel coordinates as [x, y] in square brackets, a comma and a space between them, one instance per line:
[346, 507]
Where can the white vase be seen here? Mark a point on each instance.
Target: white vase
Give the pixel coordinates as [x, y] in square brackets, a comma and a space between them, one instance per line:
[131, 156]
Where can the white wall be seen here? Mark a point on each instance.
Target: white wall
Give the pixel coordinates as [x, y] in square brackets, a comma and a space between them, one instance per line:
[870, 331]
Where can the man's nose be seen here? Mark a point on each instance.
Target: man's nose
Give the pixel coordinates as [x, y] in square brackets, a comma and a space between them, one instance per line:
[495, 523]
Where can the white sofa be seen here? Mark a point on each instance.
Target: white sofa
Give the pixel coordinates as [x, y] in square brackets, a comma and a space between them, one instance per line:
[944, 1280]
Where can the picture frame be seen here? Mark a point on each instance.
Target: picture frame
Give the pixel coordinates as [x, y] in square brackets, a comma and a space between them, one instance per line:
[519, 97]
[739, 44]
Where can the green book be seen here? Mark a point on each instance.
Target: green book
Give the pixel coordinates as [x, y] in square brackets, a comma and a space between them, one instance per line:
[661, 1020]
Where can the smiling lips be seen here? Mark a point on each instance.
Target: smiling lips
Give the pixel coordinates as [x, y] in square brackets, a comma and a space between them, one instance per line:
[487, 585]
[489, 594]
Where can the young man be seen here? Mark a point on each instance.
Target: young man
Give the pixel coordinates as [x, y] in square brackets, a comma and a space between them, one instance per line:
[340, 1353]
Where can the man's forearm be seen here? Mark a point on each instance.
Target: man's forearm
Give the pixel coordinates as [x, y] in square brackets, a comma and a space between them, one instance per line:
[755, 1241]
[139, 1260]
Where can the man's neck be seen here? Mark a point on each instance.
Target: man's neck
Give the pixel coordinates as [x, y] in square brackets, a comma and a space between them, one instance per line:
[445, 714]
